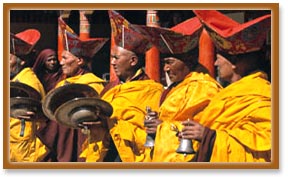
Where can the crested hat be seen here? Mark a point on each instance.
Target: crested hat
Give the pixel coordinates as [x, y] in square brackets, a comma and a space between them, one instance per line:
[87, 47]
[232, 37]
[22, 43]
[179, 39]
[125, 36]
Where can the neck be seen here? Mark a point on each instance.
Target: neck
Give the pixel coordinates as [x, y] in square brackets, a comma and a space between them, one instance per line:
[234, 78]
[131, 76]
[81, 71]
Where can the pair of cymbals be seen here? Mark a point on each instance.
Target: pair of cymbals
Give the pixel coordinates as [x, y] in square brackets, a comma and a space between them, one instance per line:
[23, 99]
[73, 104]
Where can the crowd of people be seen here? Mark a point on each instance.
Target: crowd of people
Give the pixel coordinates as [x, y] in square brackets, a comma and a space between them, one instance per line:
[230, 123]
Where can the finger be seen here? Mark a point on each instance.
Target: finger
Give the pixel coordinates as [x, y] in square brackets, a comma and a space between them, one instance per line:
[188, 123]
[152, 113]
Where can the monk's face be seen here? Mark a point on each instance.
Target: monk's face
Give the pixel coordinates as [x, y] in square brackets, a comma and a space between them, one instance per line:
[70, 64]
[225, 68]
[176, 69]
[15, 64]
[123, 62]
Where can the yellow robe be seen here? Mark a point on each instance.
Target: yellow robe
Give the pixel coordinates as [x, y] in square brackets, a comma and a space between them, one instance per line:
[241, 116]
[94, 149]
[129, 101]
[28, 148]
[186, 99]
[89, 79]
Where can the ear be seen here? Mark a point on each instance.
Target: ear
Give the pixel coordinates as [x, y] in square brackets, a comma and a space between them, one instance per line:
[134, 60]
[80, 61]
[22, 63]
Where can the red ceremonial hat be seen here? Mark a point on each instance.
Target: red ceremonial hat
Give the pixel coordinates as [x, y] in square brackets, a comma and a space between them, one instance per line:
[125, 36]
[177, 40]
[232, 37]
[76, 46]
[82, 48]
[22, 43]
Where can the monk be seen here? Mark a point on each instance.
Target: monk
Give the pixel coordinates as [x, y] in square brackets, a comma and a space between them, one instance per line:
[26, 147]
[236, 125]
[130, 94]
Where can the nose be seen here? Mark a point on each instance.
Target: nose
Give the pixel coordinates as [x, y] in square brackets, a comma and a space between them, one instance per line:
[53, 61]
[113, 61]
[216, 63]
[62, 62]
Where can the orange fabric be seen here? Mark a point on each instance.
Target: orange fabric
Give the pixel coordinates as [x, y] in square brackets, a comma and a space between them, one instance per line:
[241, 116]
[27, 148]
[129, 101]
[184, 101]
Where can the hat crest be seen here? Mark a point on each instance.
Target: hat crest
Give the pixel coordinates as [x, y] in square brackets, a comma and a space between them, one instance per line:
[179, 39]
[87, 47]
[126, 36]
[22, 43]
[232, 37]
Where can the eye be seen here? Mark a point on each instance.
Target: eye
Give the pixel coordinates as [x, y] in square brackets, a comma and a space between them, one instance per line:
[114, 56]
[168, 62]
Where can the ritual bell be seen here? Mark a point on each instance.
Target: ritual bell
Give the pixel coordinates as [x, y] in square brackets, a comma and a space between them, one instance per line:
[149, 141]
[185, 147]
[149, 138]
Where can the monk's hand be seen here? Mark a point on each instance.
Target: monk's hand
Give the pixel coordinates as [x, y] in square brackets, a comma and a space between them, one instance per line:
[27, 115]
[151, 122]
[192, 130]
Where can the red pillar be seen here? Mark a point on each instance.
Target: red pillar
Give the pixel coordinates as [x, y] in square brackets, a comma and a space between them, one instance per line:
[207, 52]
[113, 75]
[152, 66]
[60, 43]
[84, 28]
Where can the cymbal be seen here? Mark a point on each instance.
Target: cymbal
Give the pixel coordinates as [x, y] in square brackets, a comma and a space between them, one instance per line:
[56, 97]
[78, 110]
[19, 89]
[19, 106]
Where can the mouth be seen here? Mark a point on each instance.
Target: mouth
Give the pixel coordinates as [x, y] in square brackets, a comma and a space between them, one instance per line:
[218, 70]
[169, 74]
[115, 68]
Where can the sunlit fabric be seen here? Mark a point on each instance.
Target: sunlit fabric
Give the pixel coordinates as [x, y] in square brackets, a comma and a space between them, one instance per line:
[184, 101]
[129, 101]
[27, 148]
[241, 116]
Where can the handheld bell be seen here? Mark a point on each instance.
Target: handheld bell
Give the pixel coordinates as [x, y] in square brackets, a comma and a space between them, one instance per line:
[149, 141]
[185, 147]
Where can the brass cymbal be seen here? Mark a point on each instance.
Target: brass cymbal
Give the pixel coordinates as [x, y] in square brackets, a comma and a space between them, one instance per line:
[56, 97]
[19, 89]
[19, 106]
[78, 110]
